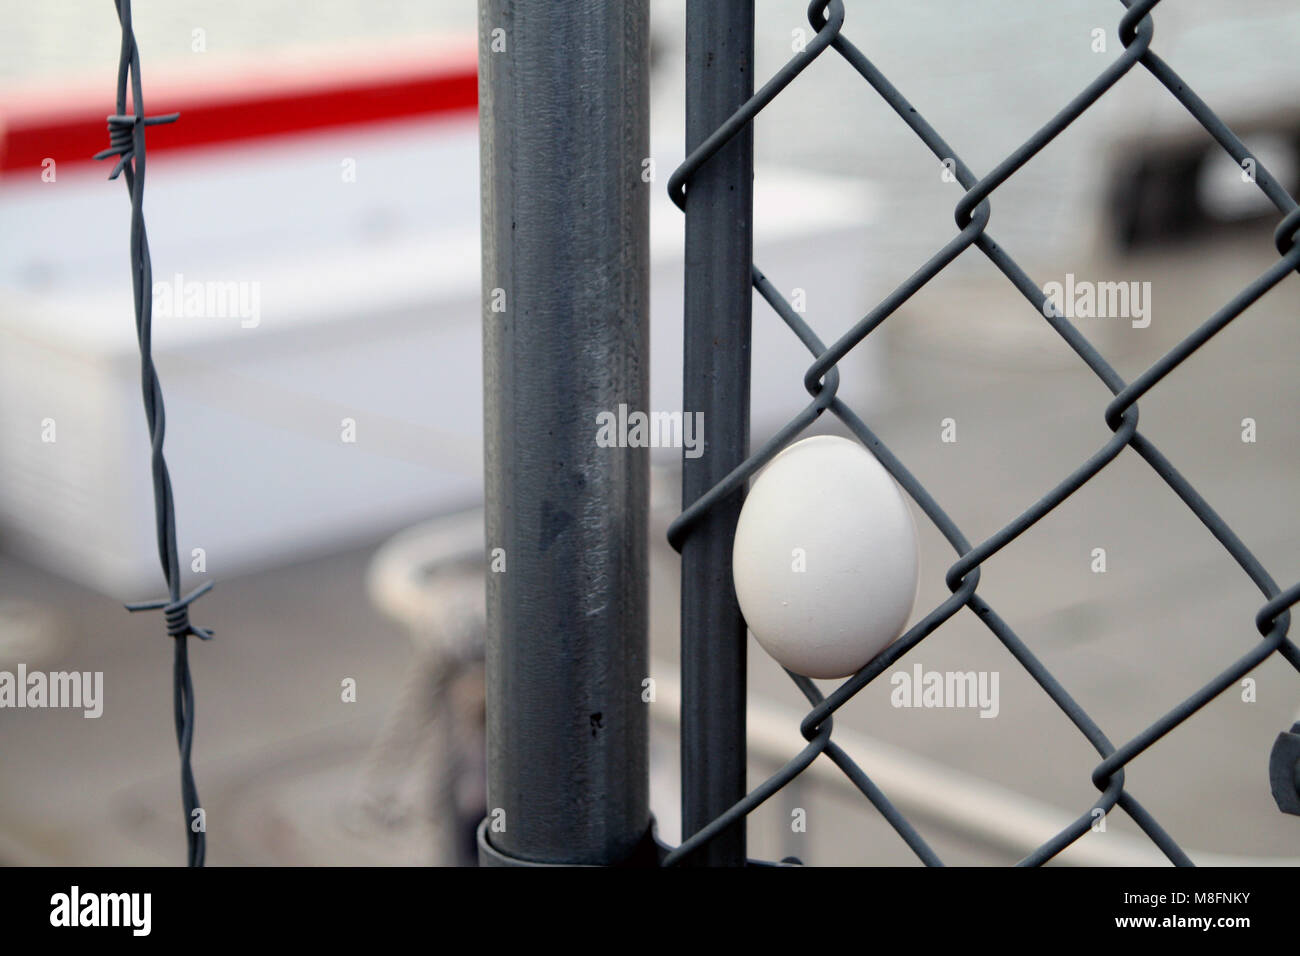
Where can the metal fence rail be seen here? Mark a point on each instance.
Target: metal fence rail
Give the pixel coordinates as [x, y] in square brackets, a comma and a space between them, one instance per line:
[693, 187]
[718, 256]
[565, 98]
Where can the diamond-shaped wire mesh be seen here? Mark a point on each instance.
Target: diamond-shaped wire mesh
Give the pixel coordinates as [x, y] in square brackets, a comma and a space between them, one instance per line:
[1136, 30]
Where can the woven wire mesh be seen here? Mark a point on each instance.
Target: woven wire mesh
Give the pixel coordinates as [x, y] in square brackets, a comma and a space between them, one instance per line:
[1136, 29]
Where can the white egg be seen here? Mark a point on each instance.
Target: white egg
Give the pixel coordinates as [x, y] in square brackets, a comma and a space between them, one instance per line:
[825, 560]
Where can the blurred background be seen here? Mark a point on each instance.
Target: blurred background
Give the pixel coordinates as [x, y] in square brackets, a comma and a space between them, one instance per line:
[320, 192]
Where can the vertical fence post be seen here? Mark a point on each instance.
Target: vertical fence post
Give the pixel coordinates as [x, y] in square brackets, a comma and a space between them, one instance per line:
[719, 252]
[564, 129]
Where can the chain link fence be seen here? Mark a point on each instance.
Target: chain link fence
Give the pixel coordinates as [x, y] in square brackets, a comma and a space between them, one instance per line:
[714, 812]
[712, 187]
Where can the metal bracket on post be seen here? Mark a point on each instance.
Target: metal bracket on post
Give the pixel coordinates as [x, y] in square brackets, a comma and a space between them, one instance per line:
[1284, 770]
[648, 853]
[564, 130]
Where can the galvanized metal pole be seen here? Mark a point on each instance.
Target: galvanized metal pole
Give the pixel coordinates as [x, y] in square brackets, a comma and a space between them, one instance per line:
[564, 126]
[719, 253]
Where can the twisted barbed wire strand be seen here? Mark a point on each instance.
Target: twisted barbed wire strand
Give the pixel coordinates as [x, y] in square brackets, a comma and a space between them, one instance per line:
[127, 142]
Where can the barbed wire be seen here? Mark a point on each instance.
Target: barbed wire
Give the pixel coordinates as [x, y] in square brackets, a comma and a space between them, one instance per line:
[1136, 29]
[126, 132]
